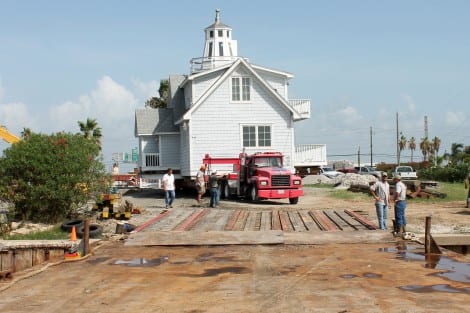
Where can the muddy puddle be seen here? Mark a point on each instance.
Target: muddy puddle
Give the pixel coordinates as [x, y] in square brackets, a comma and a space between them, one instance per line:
[142, 262]
[449, 268]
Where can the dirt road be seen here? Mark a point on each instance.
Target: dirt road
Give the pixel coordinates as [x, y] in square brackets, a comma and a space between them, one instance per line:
[385, 277]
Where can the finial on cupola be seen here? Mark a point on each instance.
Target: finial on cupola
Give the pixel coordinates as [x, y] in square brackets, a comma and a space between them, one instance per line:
[217, 16]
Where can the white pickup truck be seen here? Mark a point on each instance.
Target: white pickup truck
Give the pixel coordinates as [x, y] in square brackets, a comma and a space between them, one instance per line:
[406, 172]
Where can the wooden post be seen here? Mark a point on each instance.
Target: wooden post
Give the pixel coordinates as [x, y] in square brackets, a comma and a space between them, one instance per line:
[86, 237]
[427, 235]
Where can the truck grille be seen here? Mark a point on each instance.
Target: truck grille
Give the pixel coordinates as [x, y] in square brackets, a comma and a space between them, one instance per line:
[280, 180]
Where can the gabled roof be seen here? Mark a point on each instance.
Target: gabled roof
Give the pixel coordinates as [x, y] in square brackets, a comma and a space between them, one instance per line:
[154, 121]
[228, 72]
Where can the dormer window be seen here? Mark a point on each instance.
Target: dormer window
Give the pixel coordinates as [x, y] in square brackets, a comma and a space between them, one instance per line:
[241, 89]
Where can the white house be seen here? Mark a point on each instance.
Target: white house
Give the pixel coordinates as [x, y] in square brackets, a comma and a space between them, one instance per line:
[226, 105]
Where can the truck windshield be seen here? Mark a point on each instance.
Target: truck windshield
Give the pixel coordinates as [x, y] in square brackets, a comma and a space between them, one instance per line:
[268, 162]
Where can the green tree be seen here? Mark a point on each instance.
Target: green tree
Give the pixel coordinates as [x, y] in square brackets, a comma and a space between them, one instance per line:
[162, 101]
[48, 176]
[91, 131]
[412, 146]
[425, 146]
[456, 153]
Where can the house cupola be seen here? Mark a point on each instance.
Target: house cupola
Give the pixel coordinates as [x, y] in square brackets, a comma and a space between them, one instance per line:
[219, 47]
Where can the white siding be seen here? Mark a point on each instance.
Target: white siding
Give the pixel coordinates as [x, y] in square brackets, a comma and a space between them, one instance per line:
[277, 82]
[201, 84]
[170, 151]
[215, 125]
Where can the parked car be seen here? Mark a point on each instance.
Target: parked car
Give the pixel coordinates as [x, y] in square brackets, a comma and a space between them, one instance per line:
[329, 172]
[368, 170]
[347, 170]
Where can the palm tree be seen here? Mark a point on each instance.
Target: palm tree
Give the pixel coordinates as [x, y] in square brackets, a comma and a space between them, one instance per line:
[424, 145]
[456, 152]
[91, 130]
[412, 146]
[26, 133]
[436, 144]
[401, 145]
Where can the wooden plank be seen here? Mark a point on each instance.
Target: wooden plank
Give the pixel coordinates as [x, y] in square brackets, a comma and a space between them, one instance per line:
[324, 222]
[296, 221]
[192, 220]
[172, 220]
[151, 221]
[362, 220]
[241, 221]
[233, 219]
[266, 220]
[308, 221]
[209, 220]
[251, 221]
[340, 223]
[195, 238]
[276, 222]
[351, 221]
[224, 216]
[285, 222]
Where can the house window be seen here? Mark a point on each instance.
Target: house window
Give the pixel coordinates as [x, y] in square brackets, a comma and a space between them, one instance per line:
[210, 49]
[241, 89]
[257, 136]
[221, 33]
[211, 34]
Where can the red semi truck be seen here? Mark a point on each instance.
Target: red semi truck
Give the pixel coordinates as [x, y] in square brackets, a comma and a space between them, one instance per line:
[257, 177]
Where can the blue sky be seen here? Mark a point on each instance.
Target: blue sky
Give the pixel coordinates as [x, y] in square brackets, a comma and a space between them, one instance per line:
[360, 62]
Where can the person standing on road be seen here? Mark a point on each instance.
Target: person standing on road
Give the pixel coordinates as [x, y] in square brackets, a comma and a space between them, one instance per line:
[214, 190]
[169, 188]
[399, 198]
[380, 190]
[467, 186]
[200, 184]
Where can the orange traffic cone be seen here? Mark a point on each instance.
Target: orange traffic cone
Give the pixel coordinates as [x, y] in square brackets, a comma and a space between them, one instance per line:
[73, 234]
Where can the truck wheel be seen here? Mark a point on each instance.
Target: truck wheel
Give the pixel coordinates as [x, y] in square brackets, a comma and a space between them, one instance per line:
[254, 194]
[293, 200]
[223, 190]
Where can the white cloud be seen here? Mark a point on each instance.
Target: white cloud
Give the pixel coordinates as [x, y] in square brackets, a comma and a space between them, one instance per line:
[15, 117]
[410, 102]
[109, 103]
[349, 116]
[455, 118]
[145, 90]
[2, 90]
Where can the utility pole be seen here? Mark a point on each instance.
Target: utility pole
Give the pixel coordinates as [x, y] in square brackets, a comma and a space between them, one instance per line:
[398, 147]
[359, 156]
[371, 162]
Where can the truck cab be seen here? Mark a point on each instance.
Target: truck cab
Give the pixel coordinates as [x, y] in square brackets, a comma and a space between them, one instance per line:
[258, 176]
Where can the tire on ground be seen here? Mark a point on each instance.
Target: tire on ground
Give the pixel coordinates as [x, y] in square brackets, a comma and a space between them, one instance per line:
[95, 231]
[67, 225]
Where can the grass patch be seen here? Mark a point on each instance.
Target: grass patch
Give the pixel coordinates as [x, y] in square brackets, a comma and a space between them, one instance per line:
[454, 192]
[54, 233]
